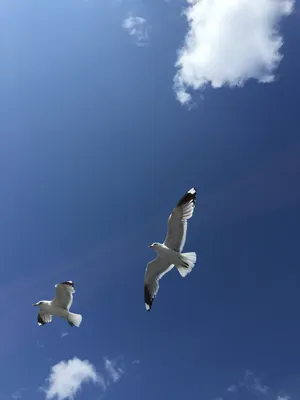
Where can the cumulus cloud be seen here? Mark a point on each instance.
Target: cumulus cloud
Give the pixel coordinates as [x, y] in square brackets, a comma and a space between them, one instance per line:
[67, 377]
[114, 372]
[138, 28]
[229, 42]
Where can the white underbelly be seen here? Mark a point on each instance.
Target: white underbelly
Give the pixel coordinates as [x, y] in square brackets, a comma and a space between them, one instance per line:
[172, 256]
[55, 311]
[59, 312]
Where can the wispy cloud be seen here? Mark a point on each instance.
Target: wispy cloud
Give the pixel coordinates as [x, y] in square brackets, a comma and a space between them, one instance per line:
[253, 383]
[138, 28]
[18, 394]
[113, 370]
[232, 388]
[67, 377]
[251, 386]
[283, 397]
[64, 334]
[218, 49]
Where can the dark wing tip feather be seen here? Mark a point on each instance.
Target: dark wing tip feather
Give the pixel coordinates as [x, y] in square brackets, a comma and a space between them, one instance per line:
[187, 197]
[69, 283]
[41, 322]
[148, 298]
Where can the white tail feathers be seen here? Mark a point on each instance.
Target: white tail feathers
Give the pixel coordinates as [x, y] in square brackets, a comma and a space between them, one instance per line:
[188, 263]
[74, 319]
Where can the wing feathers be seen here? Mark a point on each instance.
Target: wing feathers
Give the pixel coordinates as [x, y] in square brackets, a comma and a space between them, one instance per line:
[43, 318]
[64, 295]
[177, 223]
[188, 197]
[155, 270]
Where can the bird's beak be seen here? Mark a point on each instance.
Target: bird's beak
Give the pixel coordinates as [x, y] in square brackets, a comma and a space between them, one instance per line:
[34, 305]
[150, 245]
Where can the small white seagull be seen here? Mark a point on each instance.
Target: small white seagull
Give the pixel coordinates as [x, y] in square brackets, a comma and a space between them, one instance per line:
[170, 252]
[59, 306]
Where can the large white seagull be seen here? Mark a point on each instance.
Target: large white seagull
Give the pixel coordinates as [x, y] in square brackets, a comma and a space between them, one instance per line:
[169, 254]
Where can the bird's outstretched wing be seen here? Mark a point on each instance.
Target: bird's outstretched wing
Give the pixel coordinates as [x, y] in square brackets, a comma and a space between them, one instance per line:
[155, 270]
[64, 295]
[43, 318]
[177, 223]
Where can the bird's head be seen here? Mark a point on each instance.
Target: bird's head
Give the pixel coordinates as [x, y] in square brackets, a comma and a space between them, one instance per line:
[153, 245]
[39, 303]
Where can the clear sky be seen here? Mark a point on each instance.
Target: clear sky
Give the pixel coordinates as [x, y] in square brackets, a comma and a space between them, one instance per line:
[109, 112]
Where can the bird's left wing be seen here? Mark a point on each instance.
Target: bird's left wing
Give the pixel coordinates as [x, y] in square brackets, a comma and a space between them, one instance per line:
[177, 223]
[155, 270]
[43, 318]
[64, 295]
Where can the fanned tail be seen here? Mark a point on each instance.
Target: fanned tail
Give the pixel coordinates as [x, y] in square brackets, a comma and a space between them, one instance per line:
[74, 319]
[188, 263]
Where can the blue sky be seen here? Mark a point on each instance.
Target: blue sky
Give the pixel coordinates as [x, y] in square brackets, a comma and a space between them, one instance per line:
[110, 111]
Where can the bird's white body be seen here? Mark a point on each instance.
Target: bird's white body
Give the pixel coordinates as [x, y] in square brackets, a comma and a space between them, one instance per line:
[168, 254]
[51, 309]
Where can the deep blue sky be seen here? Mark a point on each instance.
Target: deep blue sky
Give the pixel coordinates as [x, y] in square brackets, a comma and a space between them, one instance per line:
[95, 151]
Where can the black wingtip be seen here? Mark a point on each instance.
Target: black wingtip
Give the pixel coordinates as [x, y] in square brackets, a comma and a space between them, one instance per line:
[69, 283]
[40, 321]
[148, 298]
[188, 196]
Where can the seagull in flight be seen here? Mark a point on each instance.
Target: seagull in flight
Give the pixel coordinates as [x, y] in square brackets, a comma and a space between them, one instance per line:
[169, 254]
[59, 306]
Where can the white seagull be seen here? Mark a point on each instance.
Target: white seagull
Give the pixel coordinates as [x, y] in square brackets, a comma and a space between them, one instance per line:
[170, 252]
[59, 306]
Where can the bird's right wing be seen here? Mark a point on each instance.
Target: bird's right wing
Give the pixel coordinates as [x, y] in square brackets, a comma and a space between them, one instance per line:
[177, 222]
[155, 270]
[64, 295]
[43, 318]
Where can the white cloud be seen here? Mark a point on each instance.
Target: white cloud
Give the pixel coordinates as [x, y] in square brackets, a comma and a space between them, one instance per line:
[232, 388]
[229, 42]
[64, 334]
[114, 372]
[138, 28]
[18, 394]
[254, 383]
[252, 387]
[283, 397]
[67, 377]
[259, 387]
